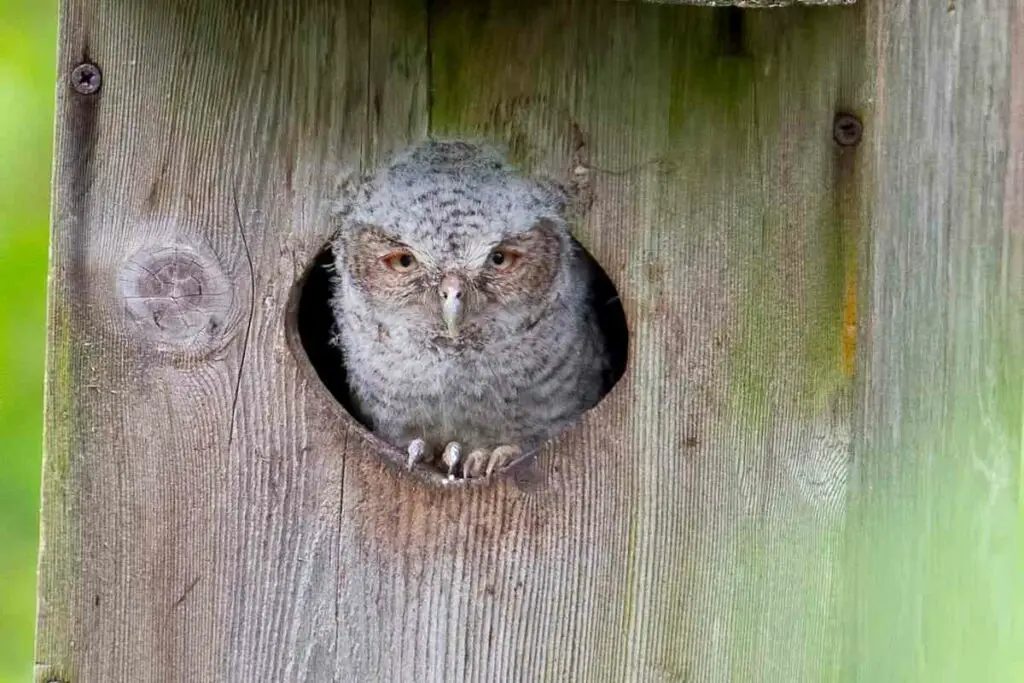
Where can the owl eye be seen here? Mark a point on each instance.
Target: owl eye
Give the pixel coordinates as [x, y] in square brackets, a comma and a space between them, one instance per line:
[503, 259]
[401, 261]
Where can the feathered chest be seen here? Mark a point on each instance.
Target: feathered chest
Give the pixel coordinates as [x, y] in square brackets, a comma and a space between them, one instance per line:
[437, 369]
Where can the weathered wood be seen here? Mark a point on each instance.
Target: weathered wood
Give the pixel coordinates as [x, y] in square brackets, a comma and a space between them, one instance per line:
[936, 538]
[191, 519]
[210, 513]
[717, 467]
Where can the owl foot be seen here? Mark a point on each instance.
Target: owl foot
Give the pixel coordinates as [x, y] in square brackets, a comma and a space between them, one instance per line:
[482, 462]
[450, 457]
[417, 452]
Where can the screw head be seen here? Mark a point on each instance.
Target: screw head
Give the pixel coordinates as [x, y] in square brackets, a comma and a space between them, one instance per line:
[847, 130]
[86, 78]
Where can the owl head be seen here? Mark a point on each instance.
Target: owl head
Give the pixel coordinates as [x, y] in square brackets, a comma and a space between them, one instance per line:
[449, 242]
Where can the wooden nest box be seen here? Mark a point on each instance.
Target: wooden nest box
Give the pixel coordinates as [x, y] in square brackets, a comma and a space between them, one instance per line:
[809, 471]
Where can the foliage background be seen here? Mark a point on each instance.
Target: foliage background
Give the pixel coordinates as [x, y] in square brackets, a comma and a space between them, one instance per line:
[28, 39]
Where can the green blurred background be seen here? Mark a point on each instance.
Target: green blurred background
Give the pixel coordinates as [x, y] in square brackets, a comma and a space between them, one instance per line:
[28, 39]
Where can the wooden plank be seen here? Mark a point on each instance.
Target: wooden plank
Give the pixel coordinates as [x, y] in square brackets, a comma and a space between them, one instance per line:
[691, 528]
[937, 537]
[190, 526]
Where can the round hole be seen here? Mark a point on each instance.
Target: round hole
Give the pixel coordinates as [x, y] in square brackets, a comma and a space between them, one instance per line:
[317, 331]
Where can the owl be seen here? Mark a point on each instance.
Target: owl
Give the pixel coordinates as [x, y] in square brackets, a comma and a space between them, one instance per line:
[464, 309]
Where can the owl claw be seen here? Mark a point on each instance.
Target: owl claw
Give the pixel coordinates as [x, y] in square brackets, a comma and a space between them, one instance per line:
[474, 464]
[501, 457]
[417, 450]
[484, 463]
[451, 454]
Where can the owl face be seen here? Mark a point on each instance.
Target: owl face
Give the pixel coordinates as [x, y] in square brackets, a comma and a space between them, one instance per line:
[461, 286]
[449, 242]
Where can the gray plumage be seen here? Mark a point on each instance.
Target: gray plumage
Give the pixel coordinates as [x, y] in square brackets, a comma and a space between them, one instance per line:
[463, 305]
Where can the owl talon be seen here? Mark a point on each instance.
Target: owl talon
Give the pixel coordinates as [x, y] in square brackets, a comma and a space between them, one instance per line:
[474, 464]
[451, 454]
[484, 463]
[502, 457]
[417, 450]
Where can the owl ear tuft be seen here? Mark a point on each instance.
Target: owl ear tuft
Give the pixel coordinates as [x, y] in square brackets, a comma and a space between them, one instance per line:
[571, 200]
[345, 232]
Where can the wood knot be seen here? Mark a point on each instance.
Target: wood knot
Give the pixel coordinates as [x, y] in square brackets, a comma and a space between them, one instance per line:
[176, 296]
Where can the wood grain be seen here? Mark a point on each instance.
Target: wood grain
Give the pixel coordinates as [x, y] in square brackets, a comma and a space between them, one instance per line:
[191, 514]
[766, 495]
[725, 216]
[936, 535]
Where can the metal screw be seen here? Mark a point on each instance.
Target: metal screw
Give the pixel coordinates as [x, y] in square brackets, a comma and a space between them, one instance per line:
[847, 130]
[86, 78]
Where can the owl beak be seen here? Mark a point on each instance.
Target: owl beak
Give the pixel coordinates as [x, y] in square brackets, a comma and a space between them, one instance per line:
[450, 291]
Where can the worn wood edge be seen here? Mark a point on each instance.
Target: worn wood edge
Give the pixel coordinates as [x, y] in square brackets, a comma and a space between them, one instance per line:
[748, 4]
[59, 557]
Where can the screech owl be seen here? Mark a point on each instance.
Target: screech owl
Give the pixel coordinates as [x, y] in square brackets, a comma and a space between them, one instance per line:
[464, 308]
